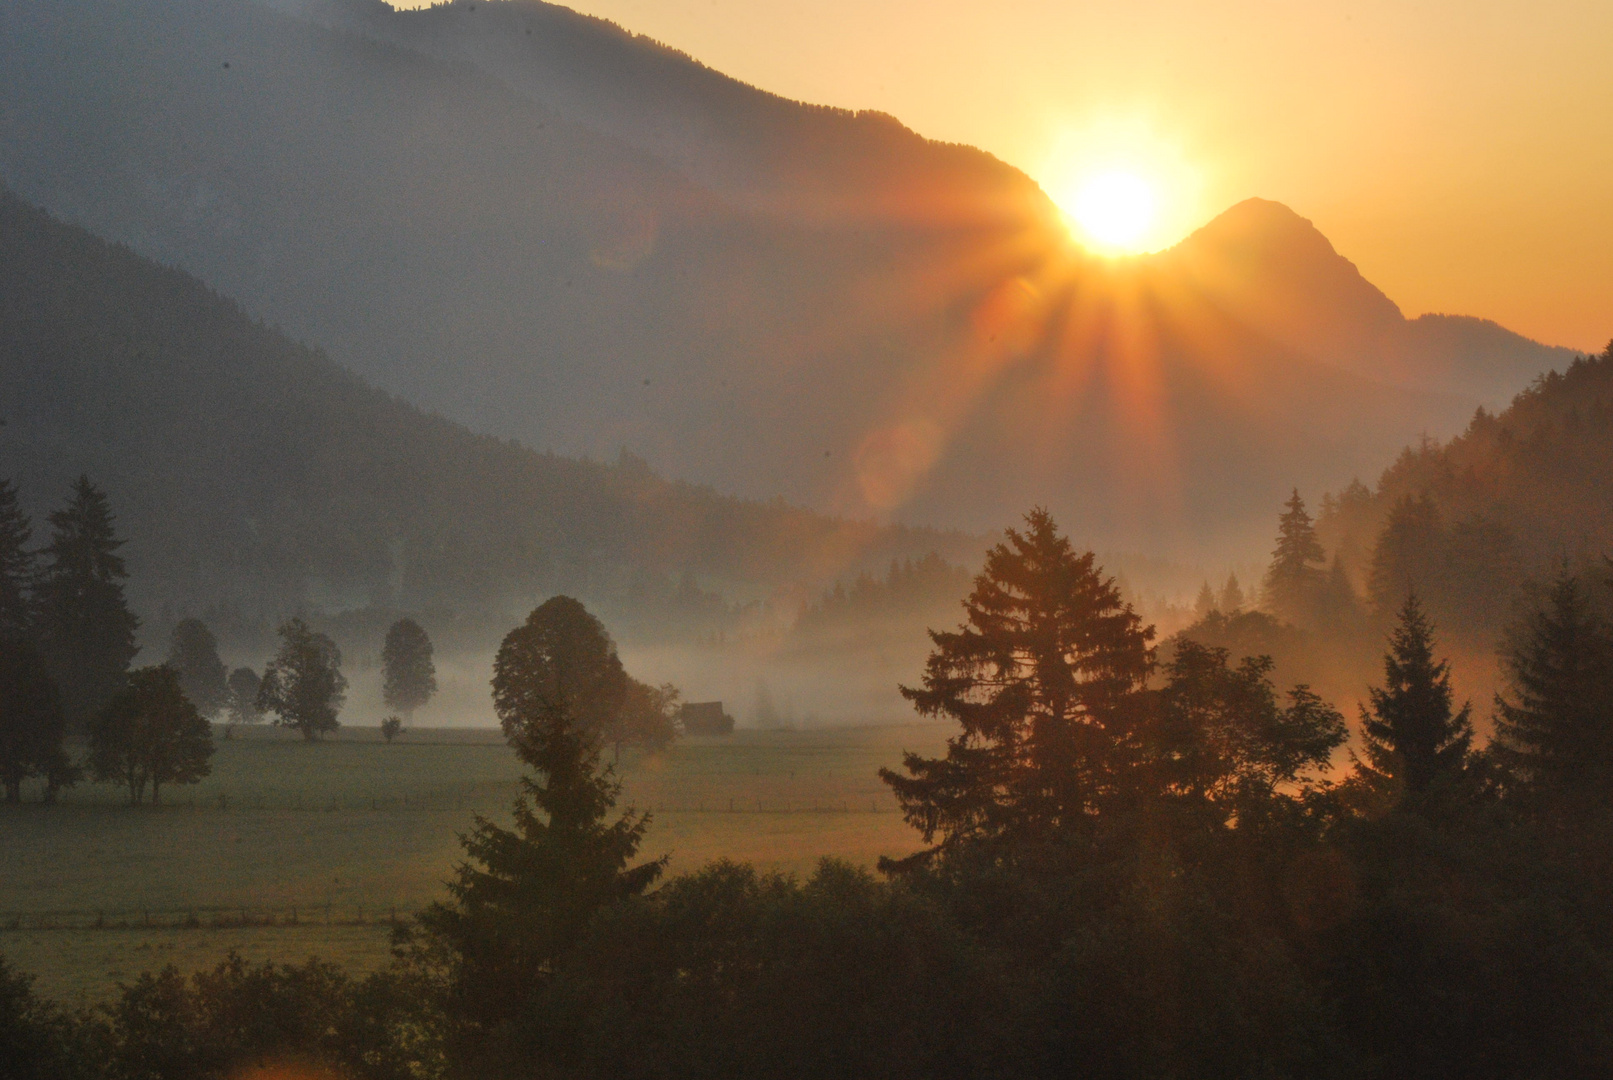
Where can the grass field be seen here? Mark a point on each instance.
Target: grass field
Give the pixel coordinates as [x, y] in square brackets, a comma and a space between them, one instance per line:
[291, 849]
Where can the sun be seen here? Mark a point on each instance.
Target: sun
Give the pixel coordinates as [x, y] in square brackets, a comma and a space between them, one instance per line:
[1115, 210]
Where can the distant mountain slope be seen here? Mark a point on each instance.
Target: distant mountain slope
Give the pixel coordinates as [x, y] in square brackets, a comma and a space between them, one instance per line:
[247, 469]
[1271, 268]
[581, 239]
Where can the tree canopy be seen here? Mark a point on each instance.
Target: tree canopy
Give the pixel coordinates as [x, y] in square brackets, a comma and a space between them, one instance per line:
[303, 685]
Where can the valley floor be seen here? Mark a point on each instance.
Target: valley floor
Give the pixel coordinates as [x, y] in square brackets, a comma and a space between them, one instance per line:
[290, 850]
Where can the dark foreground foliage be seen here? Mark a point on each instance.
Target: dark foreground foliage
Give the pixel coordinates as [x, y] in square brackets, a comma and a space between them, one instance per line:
[1136, 871]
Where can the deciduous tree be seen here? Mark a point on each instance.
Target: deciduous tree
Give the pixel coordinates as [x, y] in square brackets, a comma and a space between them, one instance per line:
[150, 733]
[193, 653]
[244, 685]
[303, 685]
[560, 661]
[408, 675]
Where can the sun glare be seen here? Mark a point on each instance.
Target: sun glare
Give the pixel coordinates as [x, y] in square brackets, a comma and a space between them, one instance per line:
[1115, 210]
[1125, 185]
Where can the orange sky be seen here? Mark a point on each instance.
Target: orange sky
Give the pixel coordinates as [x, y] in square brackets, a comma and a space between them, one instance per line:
[1459, 151]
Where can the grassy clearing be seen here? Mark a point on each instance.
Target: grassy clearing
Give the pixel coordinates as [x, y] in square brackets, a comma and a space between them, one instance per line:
[290, 850]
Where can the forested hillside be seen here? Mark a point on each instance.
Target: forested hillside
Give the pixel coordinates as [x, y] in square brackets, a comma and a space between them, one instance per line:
[1465, 522]
[247, 469]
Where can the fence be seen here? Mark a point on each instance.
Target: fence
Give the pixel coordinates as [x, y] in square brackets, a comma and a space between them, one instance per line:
[217, 917]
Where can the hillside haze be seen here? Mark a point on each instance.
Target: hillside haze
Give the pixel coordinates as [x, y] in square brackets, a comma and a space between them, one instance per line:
[546, 228]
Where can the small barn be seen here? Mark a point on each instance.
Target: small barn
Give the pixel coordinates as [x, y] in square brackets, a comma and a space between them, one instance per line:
[705, 718]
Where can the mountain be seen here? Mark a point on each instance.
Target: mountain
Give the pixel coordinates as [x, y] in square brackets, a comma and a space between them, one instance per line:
[1275, 271]
[252, 473]
[548, 229]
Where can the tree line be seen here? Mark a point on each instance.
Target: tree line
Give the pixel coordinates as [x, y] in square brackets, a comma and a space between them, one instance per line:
[67, 643]
[1133, 866]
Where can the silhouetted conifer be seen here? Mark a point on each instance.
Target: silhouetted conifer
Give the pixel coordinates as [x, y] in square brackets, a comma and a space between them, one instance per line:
[1205, 603]
[524, 896]
[1412, 736]
[1407, 558]
[1232, 597]
[193, 653]
[1045, 677]
[1554, 730]
[16, 566]
[408, 673]
[31, 721]
[1294, 580]
[86, 631]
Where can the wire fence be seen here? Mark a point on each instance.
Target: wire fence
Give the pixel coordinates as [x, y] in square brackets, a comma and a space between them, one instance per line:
[215, 917]
[454, 803]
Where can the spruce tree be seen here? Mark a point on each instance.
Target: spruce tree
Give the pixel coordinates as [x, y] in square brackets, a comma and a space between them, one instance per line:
[408, 674]
[1204, 605]
[1407, 557]
[303, 685]
[1412, 736]
[16, 566]
[193, 652]
[1294, 580]
[1232, 598]
[31, 719]
[86, 630]
[524, 895]
[1554, 731]
[1046, 678]
[150, 734]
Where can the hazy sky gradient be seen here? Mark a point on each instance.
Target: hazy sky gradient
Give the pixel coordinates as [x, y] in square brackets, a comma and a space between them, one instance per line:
[1461, 153]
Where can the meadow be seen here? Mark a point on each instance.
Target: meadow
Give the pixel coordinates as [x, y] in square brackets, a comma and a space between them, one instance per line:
[291, 849]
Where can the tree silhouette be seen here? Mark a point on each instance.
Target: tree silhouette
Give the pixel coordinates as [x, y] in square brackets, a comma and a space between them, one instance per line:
[86, 630]
[1555, 729]
[1232, 598]
[523, 896]
[16, 566]
[647, 719]
[31, 720]
[408, 676]
[193, 653]
[1406, 559]
[1045, 676]
[244, 685]
[1293, 581]
[1411, 735]
[303, 685]
[560, 661]
[150, 733]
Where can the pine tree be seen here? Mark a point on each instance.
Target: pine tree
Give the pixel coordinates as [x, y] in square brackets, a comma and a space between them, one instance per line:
[193, 652]
[16, 566]
[524, 895]
[1232, 598]
[303, 685]
[408, 674]
[86, 630]
[1412, 737]
[1045, 677]
[1555, 730]
[1407, 558]
[150, 733]
[1204, 605]
[1294, 580]
[31, 719]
